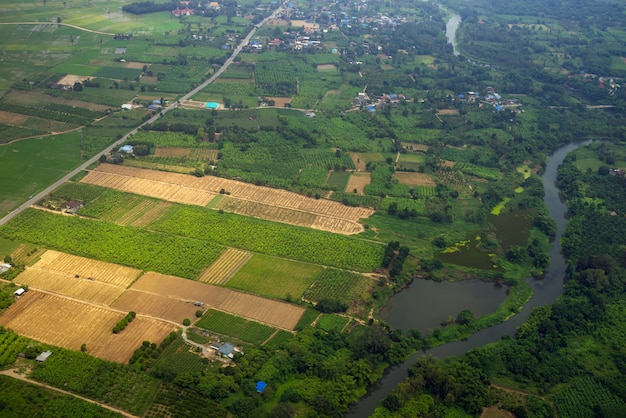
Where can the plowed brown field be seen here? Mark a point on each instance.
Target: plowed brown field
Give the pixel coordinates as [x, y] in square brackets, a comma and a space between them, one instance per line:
[271, 312]
[174, 310]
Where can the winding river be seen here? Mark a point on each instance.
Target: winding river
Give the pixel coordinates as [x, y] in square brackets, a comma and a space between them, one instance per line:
[545, 292]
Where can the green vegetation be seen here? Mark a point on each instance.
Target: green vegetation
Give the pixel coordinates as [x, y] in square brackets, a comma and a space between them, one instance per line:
[11, 345]
[111, 383]
[275, 277]
[128, 246]
[270, 238]
[338, 284]
[22, 398]
[122, 323]
[236, 327]
[332, 322]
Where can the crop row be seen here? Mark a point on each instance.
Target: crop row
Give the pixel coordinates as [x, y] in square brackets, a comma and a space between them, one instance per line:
[178, 359]
[10, 345]
[79, 191]
[479, 171]
[581, 399]
[236, 327]
[337, 284]
[150, 251]
[271, 238]
[44, 113]
[243, 88]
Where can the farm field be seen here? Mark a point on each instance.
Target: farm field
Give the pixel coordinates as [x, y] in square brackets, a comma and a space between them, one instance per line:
[240, 328]
[338, 284]
[189, 189]
[225, 267]
[275, 277]
[158, 306]
[358, 180]
[288, 216]
[98, 271]
[271, 312]
[415, 179]
[161, 190]
[69, 324]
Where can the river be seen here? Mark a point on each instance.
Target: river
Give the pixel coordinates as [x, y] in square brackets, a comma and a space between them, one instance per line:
[451, 27]
[545, 292]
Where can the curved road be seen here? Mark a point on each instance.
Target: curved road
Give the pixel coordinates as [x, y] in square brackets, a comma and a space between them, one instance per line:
[35, 198]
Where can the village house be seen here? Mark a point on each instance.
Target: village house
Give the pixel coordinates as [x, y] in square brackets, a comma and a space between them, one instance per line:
[182, 12]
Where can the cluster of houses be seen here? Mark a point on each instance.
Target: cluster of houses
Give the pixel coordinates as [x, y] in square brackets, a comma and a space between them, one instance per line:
[363, 100]
[187, 11]
[492, 98]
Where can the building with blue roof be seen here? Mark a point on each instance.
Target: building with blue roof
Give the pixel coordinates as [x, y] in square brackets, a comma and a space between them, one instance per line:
[260, 386]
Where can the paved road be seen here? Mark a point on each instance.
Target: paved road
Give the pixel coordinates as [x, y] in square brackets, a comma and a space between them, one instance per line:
[35, 198]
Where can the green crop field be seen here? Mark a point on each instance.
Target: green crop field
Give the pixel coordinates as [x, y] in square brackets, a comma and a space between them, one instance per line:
[26, 167]
[10, 343]
[332, 322]
[236, 327]
[338, 284]
[178, 358]
[280, 338]
[274, 277]
[581, 398]
[168, 254]
[338, 180]
[271, 238]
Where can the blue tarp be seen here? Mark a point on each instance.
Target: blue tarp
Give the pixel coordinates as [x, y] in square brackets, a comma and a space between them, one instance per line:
[260, 386]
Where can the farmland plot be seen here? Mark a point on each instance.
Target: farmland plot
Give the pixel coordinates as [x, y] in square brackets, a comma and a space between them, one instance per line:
[158, 306]
[69, 323]
[267, 311]
[415, 179]
[358, 180]
[199, 191]
[225, 267]
[99, 271]
[161, 190]
[288, 216]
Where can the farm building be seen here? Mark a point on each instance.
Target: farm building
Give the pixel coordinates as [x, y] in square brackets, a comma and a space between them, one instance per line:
[43, 356]
[4, 267]
[212, 105]
[127, 149]
[260, 386]
[227, 350]
[72, 206]
[19, 292]
[127, 106]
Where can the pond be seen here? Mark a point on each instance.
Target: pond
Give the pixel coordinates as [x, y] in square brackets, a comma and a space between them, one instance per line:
[426, 303]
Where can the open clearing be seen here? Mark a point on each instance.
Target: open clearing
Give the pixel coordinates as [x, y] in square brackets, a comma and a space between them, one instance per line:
[12, 118]
[275, 277]
[359, 164]
[70, 79]
[358, 181]
[271, 312]
[225, 267]
[415, 179]
[279, 101]
[447, 112]
[326, 67]
[69, 323]
[189, 189]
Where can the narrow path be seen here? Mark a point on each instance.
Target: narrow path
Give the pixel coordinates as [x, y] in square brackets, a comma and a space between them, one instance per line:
[59, 24]
[16, 375]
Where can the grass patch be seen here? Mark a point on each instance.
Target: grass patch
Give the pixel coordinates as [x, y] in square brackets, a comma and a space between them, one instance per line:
[306, 319]
[236, 327]
[332, 322]
[275, 277]
[338, 180]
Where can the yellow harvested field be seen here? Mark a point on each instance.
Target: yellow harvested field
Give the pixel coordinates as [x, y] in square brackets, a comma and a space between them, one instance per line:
[203, 154]
[67, 285]
[171, 152]
[358, 180]
[154, 188]
[12, 118]
[414, 179]
[289, 216]
[189, 189]
[70, 323]
[271, 312]
[99, 271]
[225, 267]
[158, 306]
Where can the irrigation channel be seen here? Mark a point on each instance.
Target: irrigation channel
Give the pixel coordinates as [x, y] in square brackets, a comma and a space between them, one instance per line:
[545, 292]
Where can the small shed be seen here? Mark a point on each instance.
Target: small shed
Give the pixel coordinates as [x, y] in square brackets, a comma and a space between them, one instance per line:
[19, 292]
[128, 149]
[127, 106]
[43, 356]
[260, 386]
[212, 105]
[4, 267]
